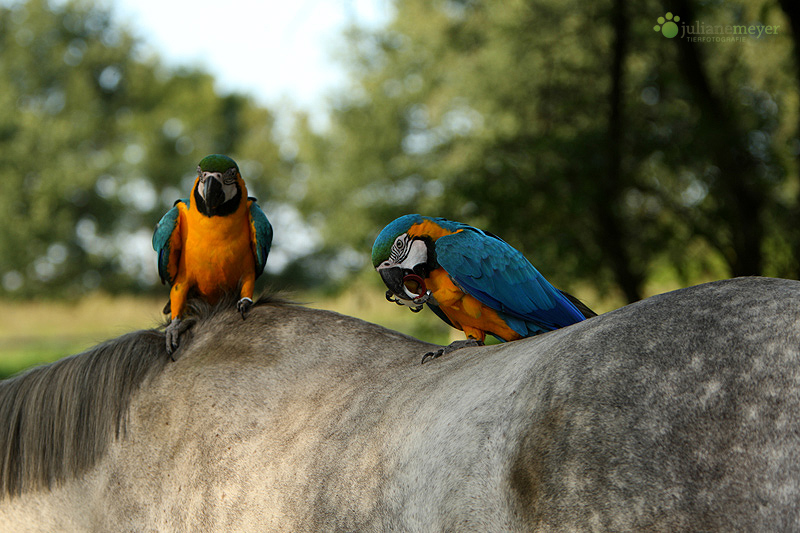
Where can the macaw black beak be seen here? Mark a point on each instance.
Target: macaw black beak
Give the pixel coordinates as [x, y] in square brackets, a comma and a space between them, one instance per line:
[212, 193]
[393, 279]
[404, 284]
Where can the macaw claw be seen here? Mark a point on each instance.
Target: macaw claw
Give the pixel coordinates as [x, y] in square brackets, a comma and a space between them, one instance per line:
[173, 333]
[452, 347]
[414, 305]
[244, 306]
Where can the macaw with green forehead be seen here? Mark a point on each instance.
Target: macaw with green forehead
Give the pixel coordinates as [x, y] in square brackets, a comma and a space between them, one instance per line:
[214, 241]
[471, 279]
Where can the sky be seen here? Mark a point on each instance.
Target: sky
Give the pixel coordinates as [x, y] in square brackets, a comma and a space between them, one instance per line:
[282, 53]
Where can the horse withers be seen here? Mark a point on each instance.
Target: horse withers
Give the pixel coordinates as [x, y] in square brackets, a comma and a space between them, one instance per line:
[675, 413]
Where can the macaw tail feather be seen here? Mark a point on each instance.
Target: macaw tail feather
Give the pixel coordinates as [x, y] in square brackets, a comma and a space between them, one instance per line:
[585, 311]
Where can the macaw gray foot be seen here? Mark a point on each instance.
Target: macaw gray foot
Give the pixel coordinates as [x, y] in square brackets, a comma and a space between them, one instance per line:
[244, 306]
[452, 347]
[174, 330]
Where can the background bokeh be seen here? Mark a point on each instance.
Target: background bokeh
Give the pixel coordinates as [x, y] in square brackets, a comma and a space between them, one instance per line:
[622, 162]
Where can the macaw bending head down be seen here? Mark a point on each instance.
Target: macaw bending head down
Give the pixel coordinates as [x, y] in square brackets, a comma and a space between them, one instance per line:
[404, 261]
[213, 242]
[471, 279]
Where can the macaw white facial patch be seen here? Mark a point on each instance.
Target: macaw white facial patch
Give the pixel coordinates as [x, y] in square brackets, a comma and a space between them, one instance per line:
[226, 179]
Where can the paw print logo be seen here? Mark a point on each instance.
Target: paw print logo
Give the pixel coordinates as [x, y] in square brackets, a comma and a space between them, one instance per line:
[666, 25]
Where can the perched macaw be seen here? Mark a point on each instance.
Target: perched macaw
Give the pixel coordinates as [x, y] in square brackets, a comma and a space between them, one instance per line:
[214, 241]
[471, 279]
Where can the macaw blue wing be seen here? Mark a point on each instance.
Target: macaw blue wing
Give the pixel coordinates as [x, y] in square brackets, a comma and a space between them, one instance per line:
[487, 268]
[261, 235]
[166, 243]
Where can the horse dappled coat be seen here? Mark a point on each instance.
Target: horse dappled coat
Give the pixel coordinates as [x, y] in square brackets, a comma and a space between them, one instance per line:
[212, 242]
[676, 413]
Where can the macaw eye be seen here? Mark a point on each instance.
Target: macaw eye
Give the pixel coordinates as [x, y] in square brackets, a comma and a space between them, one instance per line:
[229, 178]
[398, 249]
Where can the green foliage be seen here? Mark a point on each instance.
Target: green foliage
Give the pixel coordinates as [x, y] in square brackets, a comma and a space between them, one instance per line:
[600, 148]
[613, 157]
[97, 141]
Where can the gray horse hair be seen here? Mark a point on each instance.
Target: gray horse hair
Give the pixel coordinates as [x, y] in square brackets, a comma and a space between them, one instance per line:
[58, 419]
[677, 413]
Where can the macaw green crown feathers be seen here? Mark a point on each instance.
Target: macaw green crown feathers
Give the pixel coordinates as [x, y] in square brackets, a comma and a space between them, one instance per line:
[217, 163]
[383, 242]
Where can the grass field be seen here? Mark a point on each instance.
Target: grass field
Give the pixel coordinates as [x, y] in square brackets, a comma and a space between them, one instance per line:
[33, 333]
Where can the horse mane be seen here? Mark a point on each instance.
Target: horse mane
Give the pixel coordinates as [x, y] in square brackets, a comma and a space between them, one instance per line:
[59, 418]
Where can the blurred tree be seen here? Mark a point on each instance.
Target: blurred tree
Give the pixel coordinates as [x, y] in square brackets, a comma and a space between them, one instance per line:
[792, 10]
[96, 142]
[610, 154]
[607, 152]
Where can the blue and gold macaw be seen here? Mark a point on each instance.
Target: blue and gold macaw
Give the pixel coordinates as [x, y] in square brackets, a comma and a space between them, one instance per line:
[214, 241]
[471, 279]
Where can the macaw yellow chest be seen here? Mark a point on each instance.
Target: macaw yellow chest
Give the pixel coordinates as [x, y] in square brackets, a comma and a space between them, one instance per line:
[217, 252]
[466, 312]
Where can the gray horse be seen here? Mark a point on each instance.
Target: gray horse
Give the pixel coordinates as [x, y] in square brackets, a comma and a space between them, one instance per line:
[679, 412]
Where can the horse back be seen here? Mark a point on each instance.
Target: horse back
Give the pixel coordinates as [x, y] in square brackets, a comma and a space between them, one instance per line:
[675, 413]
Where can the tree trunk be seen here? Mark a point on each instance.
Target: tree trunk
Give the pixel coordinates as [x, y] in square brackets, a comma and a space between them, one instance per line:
[741, 198]
[610, 224]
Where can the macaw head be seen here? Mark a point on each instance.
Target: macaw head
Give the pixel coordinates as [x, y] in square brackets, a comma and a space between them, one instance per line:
[219, 188]
[403, 261]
